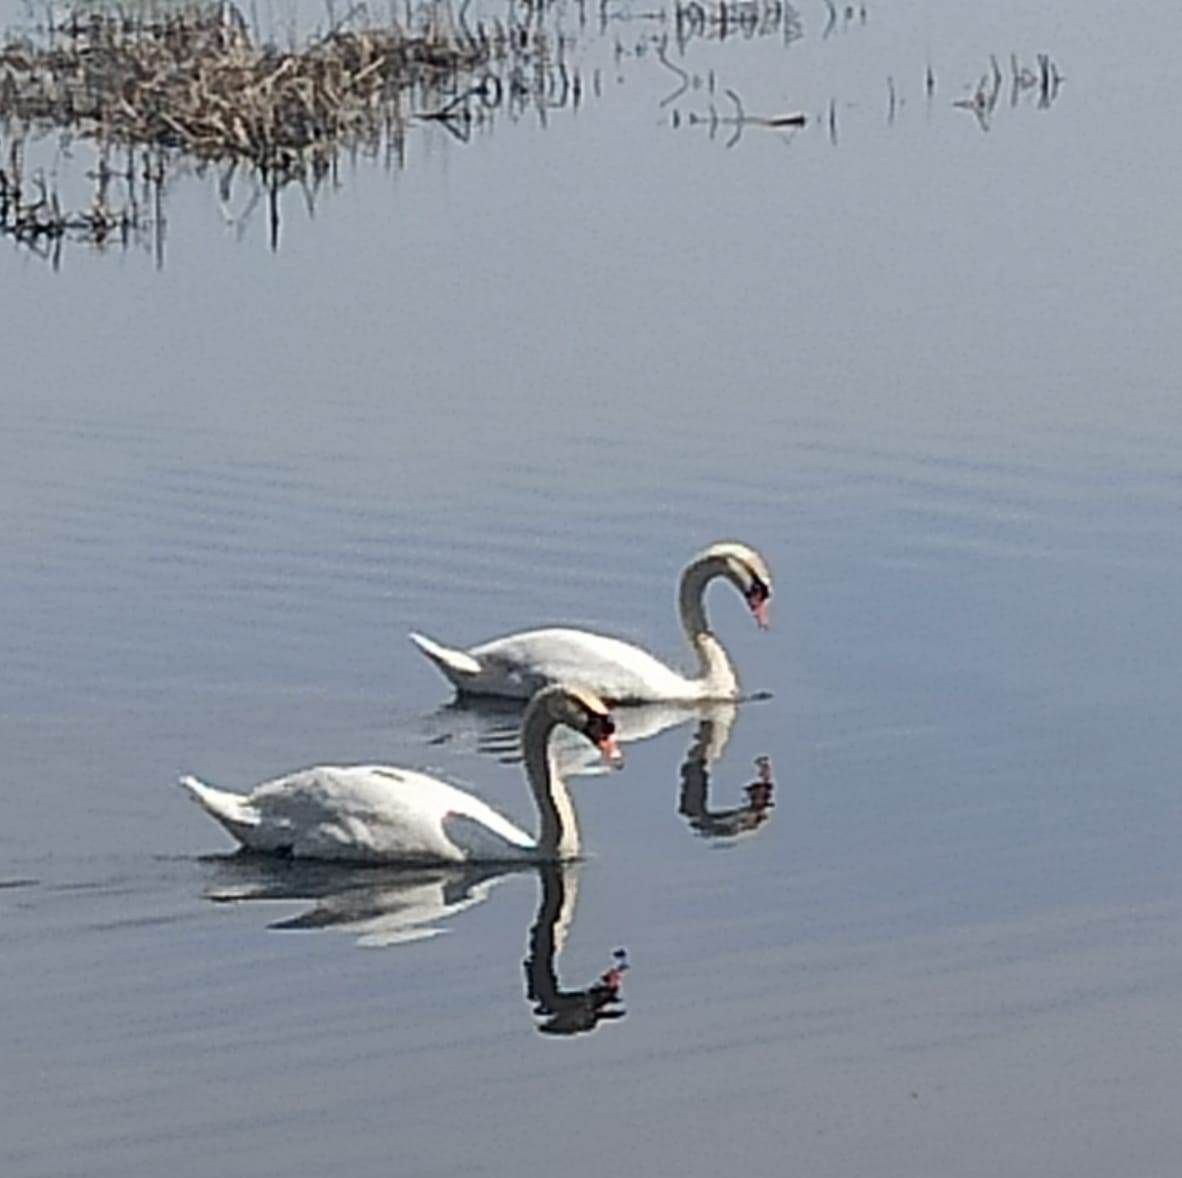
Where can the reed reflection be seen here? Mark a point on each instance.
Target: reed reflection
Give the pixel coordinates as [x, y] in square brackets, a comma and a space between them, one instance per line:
[102, 113]
[162, 91]
[1044, 80]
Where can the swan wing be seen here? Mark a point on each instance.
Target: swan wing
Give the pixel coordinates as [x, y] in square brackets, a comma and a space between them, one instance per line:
[373, 813]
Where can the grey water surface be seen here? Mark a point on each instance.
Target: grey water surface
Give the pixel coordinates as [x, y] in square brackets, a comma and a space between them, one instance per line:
[928, 364]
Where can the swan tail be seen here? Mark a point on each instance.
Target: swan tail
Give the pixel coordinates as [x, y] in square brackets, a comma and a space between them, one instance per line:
[233, 811]
[455, 664]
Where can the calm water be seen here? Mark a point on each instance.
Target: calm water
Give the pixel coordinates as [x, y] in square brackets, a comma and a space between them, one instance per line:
[930, 370]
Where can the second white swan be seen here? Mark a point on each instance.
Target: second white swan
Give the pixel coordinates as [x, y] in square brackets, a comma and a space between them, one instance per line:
[381, 814]
[517, 665]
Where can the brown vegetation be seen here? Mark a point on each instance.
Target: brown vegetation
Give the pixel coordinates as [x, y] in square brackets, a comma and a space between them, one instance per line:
[196, 80]
[192, 82]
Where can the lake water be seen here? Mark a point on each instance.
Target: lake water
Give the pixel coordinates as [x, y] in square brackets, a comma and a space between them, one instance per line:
[929, 367]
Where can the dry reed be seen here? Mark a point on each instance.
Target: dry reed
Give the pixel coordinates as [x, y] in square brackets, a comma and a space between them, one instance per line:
[196, 81]
[192, 82]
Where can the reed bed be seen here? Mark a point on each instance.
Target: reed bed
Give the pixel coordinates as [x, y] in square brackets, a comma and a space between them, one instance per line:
[195, 80]
[193, 83]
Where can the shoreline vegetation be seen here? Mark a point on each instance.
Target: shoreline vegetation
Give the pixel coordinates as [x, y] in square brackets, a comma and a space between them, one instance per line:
[192, 83]
[176, 86]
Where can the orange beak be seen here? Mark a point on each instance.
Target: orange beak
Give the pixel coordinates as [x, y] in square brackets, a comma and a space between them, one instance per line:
[610, 752]
[759, 610]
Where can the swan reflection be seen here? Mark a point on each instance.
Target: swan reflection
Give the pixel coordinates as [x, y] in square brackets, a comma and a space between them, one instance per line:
[493, 727]
[565, 1012]
[395, 906]
[694, 805]
[379, 906]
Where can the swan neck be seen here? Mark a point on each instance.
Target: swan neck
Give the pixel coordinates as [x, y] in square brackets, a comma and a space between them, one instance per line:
[715, 672]
[691, 597]
[558, 834]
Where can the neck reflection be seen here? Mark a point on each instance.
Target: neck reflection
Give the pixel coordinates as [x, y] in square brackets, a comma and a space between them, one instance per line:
[694, 802]
[559, 1011]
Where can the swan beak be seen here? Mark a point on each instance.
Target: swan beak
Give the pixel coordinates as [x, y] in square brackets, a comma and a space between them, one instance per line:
[610, 751]
[759, 611]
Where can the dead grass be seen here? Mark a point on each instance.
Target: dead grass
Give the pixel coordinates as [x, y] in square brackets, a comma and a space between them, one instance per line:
[195, 80]
[193, 83]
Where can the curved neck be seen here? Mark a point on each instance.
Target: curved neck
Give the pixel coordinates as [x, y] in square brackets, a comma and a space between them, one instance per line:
[558, 836]
[714, 667]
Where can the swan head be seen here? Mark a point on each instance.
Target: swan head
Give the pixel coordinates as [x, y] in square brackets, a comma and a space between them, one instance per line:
[748, 572]
[582, 710]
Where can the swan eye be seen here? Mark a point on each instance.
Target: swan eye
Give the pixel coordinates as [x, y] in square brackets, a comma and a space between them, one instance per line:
[600, 728]
[758, 591]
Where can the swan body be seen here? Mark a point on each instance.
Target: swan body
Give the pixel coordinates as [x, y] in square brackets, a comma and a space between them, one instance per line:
[379, 813]
[364, 812]
[517, 665]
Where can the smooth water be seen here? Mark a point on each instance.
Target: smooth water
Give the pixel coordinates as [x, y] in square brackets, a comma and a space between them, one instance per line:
[930, 370]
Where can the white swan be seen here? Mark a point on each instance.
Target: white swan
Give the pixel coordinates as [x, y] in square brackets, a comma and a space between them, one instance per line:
[376, 813]
[517, 665]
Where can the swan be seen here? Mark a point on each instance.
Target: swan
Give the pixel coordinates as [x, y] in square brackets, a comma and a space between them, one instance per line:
[377, 813]
[518, 664]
